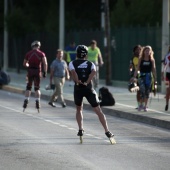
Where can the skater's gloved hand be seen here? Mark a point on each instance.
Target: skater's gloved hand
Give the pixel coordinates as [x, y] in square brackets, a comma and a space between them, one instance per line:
[85, 83]
[44, 74]
[79, 82]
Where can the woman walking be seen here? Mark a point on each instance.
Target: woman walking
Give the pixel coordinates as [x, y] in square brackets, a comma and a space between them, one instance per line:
[147, 69]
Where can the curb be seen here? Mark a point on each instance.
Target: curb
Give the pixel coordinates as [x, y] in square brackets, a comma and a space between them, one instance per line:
[112, 112]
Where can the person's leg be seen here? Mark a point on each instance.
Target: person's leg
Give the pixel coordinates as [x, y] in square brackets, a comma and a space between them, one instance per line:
[97, 77]
[167, 98]
[79, 116]
[37, 91]
[60, 92]
[103, 121]
[142, 93]
[28, 91]
[55, 94]
[101, 117]
[78, 100]
[37, 87]
[138, 97]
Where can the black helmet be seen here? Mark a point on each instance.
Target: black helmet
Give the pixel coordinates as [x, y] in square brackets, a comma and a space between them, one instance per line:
[82, 51]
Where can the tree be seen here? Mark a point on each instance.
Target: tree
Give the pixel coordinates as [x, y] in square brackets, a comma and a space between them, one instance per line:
[132, 12]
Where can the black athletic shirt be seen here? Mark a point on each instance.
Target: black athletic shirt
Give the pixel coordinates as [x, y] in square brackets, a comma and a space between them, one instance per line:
[83, 69]
[145, 66]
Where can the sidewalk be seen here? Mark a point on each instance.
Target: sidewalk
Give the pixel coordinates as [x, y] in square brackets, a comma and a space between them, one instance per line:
[124, 107]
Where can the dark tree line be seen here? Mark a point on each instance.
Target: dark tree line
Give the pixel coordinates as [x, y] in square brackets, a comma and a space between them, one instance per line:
[30, 16]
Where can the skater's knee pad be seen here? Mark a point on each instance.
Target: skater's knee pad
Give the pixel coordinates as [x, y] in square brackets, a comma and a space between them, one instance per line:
[28, 88]
[36, 88]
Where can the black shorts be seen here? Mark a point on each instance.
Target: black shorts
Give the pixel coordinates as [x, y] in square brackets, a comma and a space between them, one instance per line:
[167, 76]
[89, 93]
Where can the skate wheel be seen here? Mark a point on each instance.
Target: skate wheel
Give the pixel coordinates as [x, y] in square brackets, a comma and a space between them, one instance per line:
[81, 139]
[112, 140]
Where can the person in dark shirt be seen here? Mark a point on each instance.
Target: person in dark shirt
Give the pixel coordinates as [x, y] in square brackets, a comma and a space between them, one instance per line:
[132, 67]
[147, 68]
[83, 72]
[33, 61]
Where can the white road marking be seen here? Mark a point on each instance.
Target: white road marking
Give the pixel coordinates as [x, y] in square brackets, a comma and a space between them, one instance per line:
[148, 109]
[52, 122]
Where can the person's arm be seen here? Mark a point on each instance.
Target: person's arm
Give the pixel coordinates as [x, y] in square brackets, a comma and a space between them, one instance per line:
[74, 74]
[91, 75]
[51, 75]
[131, 65]
[137, 69]
[25, 63]
[67, 74]
[75, 77]
[100, 58]
[45, 65]
[154, 70]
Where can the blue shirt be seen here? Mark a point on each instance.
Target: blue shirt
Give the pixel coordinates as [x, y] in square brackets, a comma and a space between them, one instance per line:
[59, 67]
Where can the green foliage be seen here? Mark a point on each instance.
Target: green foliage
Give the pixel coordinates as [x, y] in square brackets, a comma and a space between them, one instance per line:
[17, 23]
[51, 19]
[136, 12]
[30, 16]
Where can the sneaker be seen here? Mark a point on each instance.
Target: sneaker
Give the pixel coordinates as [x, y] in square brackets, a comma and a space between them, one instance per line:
[37, 104]
[25, 103]
[80, 133]
[140, 107]
[166, 107]
[52, 104]
[145, 109]
[63, 105]
[109, 134]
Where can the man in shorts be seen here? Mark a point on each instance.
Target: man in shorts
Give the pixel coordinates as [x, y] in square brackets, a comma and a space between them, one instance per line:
[33, 61]
[83, 72]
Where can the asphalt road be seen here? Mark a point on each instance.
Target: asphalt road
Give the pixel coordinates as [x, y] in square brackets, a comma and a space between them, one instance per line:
[47, 140]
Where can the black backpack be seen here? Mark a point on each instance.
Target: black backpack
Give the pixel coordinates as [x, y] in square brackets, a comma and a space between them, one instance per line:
[106, 97]
[5, 78]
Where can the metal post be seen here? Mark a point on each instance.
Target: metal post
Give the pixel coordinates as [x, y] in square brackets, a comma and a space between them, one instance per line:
[165, 34]
[5, 55]
[61, 24]
[107, 44]
[102, 14]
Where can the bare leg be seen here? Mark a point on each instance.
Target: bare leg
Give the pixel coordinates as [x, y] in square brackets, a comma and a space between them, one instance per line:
[102, 118]
[37, 94]
[146, 102]
[27, 93]
[79, 117]
[167, 95]
[138, 96]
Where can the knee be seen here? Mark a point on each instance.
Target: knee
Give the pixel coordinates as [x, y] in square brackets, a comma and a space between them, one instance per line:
[28, 88]
[36, 88]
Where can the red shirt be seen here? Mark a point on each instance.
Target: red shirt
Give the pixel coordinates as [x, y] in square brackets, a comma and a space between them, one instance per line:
[34, 58]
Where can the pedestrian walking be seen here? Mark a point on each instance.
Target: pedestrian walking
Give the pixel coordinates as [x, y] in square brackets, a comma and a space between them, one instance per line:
[83, 72]
[33, 61]
[166, 77]
[70, 55]
[147, 69]
[58, 72]
[95, 56]
[133, 66]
